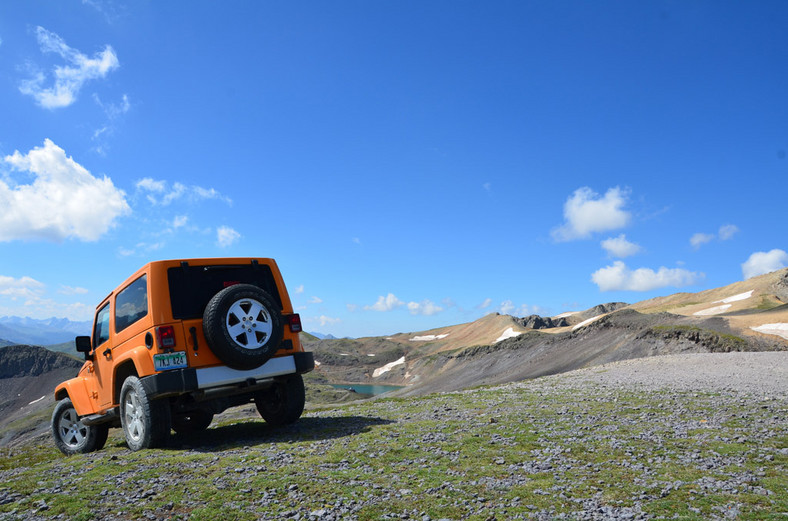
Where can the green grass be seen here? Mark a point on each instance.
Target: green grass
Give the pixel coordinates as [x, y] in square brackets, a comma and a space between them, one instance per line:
[502, 452]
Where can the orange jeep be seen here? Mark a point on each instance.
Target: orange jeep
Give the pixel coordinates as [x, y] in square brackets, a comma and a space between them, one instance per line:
[180, 341]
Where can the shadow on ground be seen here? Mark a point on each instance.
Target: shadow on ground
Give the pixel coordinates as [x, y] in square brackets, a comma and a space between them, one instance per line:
[258, 432]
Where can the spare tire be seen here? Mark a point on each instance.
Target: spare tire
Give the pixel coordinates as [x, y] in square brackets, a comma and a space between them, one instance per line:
[243, 326]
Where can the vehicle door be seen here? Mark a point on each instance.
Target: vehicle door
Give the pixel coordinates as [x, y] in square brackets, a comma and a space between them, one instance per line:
[102, 356]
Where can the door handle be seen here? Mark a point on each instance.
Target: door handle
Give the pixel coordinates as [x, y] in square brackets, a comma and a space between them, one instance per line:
[107, 352]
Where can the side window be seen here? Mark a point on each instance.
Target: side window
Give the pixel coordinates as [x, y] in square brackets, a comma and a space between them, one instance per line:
[101, 333]
[131, 304]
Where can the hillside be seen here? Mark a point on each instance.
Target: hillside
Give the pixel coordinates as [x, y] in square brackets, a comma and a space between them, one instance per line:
[28, 376]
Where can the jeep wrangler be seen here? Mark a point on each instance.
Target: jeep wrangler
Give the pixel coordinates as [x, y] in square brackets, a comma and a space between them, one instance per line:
[178, 342]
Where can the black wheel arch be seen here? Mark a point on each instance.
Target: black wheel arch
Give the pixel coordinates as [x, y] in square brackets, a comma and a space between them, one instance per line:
[122, 371]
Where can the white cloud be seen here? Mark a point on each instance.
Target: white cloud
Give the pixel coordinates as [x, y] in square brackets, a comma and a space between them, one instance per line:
[727, 231]
[64, 200]
[226, 236]
[506, 307]
[425, 307]
[315, 300]
[179, 221]
[762, 262]
[23, 288]
[700, 239]
[69, 78]
[151, 185]
[387, 303]
[485, 304]
[114, 110]
[159, 192]
[620, 247]
[25, 297]
[328, 321]
[141, 248]
[586, 213]
[70, 290]
[299, 290]
[620, 277]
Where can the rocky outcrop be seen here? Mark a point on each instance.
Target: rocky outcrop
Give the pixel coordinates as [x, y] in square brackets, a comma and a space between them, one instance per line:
[538, 322]
[780, 288]
[601, 309]
[18, 361]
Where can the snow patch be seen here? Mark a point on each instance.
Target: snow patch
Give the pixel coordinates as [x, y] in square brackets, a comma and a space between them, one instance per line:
[36, 401]
[586, 322]
[779, 329]
[509, 333]
[388, 367]
[740, 296]
[344, 354]
[567, 314]
[428, 338]
[712, 311]
[371, 354]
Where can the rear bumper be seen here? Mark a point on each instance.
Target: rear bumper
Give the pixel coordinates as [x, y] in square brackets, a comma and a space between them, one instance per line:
[179, 381]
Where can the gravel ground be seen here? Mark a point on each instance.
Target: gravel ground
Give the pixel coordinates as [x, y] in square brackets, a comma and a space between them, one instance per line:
[671, 437]
[763, 373]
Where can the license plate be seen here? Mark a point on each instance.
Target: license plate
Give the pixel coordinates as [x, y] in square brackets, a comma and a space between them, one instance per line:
[177, 360]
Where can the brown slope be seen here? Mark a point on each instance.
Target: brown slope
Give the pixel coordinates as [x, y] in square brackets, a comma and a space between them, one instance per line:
[743, 305]
[620, 335]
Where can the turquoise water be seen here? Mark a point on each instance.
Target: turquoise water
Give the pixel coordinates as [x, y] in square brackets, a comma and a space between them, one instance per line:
[368, 389]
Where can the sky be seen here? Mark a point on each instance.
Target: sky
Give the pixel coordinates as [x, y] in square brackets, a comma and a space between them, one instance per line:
[409, 165]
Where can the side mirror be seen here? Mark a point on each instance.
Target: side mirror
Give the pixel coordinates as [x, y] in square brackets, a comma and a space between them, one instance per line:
[83, 345]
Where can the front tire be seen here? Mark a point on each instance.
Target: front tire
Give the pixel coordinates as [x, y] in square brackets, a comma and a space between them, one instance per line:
[283, 402]
[146, 423]
[71, 435]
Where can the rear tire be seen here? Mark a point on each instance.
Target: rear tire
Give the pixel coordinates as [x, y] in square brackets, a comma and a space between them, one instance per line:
[146, 423]
[283, 402]
[243, 326]
[71, 435]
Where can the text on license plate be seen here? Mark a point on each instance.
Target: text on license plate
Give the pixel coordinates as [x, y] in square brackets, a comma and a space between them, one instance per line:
[162, 362]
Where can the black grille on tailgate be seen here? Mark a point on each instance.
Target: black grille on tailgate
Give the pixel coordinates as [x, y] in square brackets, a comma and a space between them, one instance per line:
[191, 287]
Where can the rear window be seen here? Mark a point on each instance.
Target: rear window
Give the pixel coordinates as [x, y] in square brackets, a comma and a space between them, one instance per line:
[191, 287]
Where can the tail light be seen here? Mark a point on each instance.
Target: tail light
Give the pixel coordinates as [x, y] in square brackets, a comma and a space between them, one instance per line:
[294, 321]
[166, 336]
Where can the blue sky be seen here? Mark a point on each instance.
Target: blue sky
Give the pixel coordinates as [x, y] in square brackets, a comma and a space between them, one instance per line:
[410, 165]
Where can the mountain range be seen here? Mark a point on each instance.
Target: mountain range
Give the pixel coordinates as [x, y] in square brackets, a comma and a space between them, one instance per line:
[750, 315]
[17, 330]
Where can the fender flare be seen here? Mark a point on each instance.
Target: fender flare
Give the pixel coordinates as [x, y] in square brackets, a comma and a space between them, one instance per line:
[77, 390]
